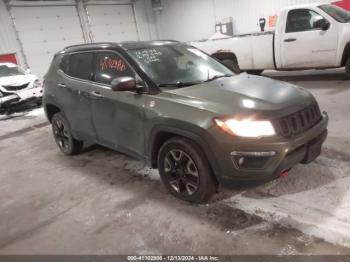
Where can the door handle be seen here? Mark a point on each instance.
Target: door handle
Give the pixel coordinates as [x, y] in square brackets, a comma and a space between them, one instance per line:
[62, 85]
[96, 94]
[290, 40]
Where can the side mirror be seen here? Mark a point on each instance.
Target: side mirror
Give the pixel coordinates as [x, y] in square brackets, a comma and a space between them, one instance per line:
[322, 24]
[125, 83]
[27, 71]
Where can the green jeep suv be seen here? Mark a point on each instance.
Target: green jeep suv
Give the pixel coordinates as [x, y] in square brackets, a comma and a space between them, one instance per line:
[181, 111]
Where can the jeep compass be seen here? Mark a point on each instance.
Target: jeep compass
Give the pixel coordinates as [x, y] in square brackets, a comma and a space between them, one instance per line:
[181, 111]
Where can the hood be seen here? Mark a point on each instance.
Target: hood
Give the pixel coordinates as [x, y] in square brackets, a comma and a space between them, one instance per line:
[244, 95]
[17, 80]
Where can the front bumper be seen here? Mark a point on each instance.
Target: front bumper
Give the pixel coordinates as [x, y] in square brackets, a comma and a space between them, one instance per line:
[266, 158]
[10, 99]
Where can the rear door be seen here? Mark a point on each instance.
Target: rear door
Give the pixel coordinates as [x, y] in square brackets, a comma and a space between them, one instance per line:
[117, 116]
[73, 88]
[303, 45]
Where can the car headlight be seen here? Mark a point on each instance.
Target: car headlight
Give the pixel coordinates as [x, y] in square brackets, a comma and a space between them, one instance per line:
[246, 127]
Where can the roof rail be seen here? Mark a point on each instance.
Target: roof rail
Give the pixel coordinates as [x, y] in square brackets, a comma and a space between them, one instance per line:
[87, 44]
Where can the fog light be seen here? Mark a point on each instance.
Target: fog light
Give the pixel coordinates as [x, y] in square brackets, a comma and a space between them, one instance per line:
[251, 160]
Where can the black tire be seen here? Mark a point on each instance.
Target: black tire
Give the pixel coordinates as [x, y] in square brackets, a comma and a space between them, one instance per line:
[255, 72]
[186, 175]
[63, 136]
[347, 68]
[232, 65]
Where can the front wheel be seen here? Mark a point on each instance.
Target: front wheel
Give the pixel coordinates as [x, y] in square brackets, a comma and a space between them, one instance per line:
[347, 68]
[185, 172]
[63, 136]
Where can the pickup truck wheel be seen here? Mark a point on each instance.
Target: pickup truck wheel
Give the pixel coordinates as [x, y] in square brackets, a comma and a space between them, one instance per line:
[63, 136]
[255, 72]
[233, 65]
[185, 171]
[347, 68]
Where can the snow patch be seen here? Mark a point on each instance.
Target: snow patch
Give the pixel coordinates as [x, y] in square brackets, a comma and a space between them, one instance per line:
[314, 199]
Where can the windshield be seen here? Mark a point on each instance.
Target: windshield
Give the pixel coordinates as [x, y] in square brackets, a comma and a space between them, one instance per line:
[6, 70]
[178, 66]
[338, 13]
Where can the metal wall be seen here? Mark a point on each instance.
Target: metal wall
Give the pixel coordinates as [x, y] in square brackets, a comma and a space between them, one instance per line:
[188, 20]
[11, 42]
[246, 13]
[8, 38]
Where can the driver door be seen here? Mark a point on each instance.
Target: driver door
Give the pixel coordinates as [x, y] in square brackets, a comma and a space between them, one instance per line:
[303, 45]
[117, 116]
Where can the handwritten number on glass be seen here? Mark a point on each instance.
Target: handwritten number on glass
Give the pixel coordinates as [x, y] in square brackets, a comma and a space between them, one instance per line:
[149, 55]
[116, 64]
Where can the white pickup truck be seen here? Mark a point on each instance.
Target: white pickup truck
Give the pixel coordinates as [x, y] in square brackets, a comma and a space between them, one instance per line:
[306, 37]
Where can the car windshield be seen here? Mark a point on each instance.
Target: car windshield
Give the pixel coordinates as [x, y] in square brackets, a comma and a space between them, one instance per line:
[338, 13]
[176, 66]
[6, 70]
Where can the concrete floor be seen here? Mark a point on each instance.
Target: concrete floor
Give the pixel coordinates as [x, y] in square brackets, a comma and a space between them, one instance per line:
[102, 202]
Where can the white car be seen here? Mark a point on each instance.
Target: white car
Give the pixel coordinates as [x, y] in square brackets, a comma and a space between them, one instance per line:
[313, 36]
[18, 86]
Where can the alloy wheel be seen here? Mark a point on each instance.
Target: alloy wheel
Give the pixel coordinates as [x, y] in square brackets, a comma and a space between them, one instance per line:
[182, 172]
[61, 134]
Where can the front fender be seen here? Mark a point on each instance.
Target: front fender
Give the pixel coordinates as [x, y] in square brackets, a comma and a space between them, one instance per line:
[183, 129]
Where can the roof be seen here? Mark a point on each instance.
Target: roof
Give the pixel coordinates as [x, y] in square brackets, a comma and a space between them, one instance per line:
[125, 45]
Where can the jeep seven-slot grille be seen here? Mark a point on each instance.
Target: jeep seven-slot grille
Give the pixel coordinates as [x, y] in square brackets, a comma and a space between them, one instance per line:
[298, 122]
[16, 88]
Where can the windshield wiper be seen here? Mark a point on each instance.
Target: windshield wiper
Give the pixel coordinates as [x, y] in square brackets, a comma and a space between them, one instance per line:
[180, 84]
[217, 77]
[185, 84]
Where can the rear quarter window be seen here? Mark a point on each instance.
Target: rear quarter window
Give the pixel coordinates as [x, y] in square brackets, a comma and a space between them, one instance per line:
[64, 63]
[78, 65]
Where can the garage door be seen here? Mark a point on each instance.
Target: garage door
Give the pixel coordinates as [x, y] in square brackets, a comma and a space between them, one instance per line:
[112, 23]
[45, 30]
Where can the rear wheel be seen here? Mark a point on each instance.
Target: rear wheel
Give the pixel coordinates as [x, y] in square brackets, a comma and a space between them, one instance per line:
[185, 171]
[63, 136]
[347, 68]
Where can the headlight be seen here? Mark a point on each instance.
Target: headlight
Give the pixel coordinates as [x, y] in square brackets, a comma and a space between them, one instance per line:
[246, 127]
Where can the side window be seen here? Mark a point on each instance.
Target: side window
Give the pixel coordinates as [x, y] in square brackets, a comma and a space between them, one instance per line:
[301, 20]
[80, 65]
[64, 63]
[110, 66]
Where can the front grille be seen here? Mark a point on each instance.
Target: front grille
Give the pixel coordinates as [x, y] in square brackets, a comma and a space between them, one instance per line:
[16, 88]
[298, 122]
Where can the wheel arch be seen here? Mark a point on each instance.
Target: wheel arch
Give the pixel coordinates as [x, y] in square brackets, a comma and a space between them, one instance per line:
[161, 134]
[346, 54]
[51, 110]
[225, 55]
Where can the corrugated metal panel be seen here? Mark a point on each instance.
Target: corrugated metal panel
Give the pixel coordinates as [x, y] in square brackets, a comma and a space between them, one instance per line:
[8, 40]
[44, 30]
[112, 23]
